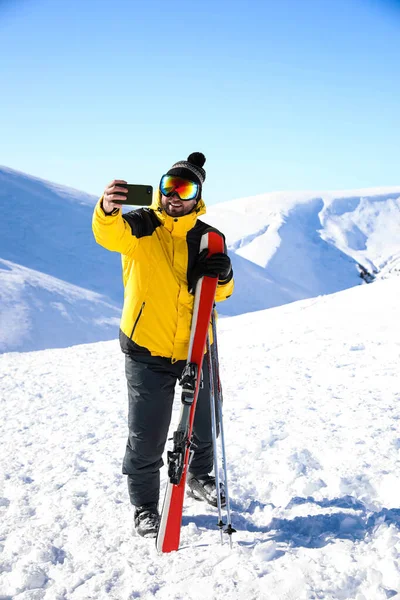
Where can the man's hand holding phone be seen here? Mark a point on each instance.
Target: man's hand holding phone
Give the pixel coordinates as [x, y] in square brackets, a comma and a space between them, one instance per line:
[119, 193]
[112, 194]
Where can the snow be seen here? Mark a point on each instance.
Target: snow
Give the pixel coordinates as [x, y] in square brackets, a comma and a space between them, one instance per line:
[311, 406]
[311, 403]
[49, 230]
[309, 243]
[71, 314]
[284, 246]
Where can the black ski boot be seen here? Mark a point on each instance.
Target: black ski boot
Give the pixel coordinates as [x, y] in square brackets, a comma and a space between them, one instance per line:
[203, 487]
[147, 520]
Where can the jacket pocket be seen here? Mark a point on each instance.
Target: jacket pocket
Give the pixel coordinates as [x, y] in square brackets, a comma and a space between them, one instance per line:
[137, 319]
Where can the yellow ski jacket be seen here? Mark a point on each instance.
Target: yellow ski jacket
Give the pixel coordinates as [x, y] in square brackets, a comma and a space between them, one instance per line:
[158, 251]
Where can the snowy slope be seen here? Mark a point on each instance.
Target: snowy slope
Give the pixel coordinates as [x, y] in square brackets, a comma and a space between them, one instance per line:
[312, 408]
[39, 311]
[311, 242]
[391, 268]
[49, 229]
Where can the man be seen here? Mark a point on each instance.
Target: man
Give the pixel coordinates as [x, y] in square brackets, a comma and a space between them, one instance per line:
[161, 265]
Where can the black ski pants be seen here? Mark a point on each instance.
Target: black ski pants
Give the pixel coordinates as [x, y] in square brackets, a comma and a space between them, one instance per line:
[151, 385]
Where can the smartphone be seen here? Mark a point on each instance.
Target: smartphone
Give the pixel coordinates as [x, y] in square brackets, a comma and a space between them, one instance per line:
[138, 195]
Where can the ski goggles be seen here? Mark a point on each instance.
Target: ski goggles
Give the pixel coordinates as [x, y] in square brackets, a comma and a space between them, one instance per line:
[185, 189]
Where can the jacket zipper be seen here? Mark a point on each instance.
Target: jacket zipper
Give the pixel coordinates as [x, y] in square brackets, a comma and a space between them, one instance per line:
[137, 319]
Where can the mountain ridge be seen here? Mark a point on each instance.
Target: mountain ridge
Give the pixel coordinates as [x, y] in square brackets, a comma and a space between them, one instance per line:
[284, 246]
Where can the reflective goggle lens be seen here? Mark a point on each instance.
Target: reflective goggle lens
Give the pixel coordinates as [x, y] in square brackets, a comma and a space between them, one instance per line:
[186, 190]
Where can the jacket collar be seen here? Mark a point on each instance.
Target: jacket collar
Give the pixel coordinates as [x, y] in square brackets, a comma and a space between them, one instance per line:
[177, 226]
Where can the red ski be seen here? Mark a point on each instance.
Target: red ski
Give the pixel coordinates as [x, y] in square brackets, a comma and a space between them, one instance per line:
[178, 459]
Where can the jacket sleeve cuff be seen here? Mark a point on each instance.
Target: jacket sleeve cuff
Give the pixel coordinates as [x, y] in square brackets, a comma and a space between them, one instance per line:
[108, 214]
[227, 279]
[102, 217]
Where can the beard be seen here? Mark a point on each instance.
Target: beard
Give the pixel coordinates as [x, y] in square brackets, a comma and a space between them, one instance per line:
[175, 207]
[174, 211]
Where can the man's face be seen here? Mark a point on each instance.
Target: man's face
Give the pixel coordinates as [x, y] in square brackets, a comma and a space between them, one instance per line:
[175, 207]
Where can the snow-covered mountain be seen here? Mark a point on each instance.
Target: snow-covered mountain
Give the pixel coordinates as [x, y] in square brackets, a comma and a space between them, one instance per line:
[48, 228]
[284, 247]
[38, 311]
[311, 244]
[312, 406]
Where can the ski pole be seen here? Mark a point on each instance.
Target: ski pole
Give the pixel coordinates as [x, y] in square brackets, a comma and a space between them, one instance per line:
[213, 405]
[229, 530]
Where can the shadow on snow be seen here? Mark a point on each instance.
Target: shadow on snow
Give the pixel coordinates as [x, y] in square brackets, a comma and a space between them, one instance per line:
[311, 531]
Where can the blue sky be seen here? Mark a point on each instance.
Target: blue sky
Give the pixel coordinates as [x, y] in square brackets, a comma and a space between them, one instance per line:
[278, 94]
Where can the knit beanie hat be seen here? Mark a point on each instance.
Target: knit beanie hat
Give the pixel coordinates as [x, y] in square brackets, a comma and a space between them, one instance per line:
[191, 169]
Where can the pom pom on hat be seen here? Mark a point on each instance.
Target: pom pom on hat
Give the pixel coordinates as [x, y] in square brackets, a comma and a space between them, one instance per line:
[197, 158]
[191, 169]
